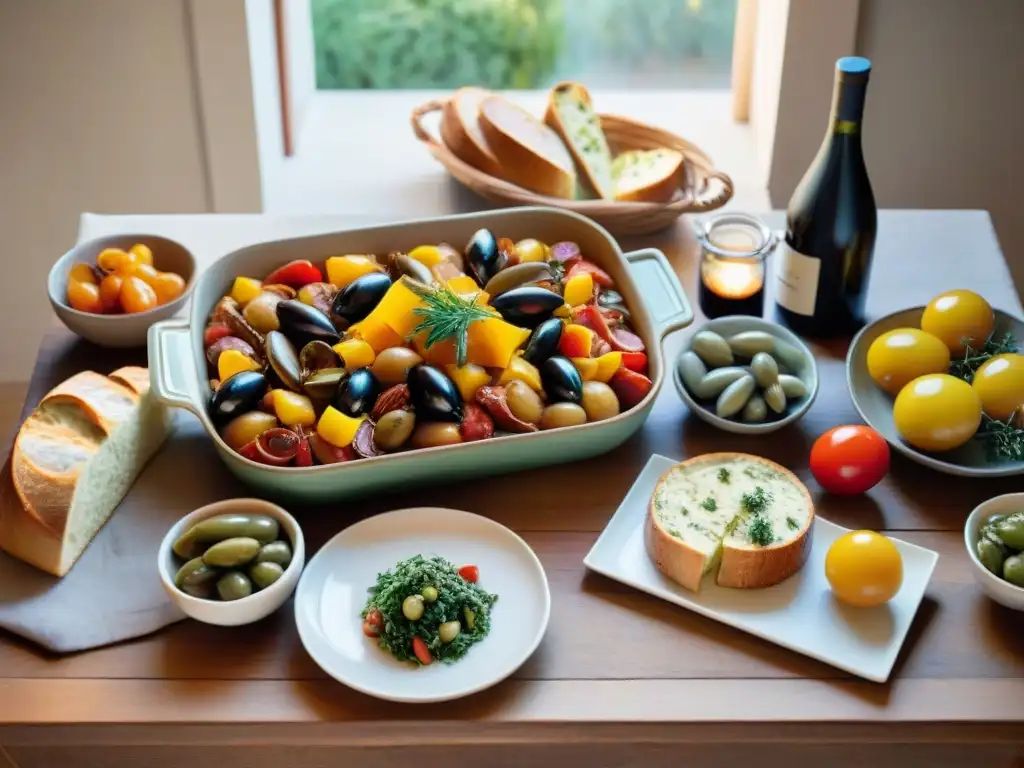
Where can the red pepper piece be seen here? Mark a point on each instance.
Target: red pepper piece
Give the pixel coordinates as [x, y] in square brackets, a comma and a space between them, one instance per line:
[630, 387]
[250, 451]
[215, 332]
[635, 361]
[470, 573]
[584, 267]
[295, 273]
[619, 338]
[304, 454]
[476, 424]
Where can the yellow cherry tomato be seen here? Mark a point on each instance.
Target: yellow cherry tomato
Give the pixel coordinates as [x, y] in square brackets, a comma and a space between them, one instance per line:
[937, 412]
[954, 316]
[143, 254]
[532, 250]
[864, 568]
[898, 357]
[1000, 385]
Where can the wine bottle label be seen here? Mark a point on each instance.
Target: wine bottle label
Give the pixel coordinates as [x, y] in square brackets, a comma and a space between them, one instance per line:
[796, 284]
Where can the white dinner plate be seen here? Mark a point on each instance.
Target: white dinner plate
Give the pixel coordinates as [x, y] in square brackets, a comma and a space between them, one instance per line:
[800, 614]
[333, 591]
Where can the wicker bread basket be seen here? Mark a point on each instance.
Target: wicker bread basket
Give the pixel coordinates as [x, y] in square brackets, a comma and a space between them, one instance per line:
[703, 189]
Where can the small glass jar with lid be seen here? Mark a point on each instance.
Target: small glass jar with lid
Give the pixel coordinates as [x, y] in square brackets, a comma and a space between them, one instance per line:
[733, 249]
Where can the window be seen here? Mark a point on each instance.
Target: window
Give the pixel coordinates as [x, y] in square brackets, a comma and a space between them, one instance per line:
[522, 44]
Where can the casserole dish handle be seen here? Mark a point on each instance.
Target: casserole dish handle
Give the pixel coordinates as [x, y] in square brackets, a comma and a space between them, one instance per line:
[170, 363]
[660, 288]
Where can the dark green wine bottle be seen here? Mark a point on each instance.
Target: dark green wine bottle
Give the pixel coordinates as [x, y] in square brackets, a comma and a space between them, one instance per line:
[823, 266]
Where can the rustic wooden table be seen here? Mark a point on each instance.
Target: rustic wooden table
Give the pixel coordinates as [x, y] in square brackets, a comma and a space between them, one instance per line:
[621, 678]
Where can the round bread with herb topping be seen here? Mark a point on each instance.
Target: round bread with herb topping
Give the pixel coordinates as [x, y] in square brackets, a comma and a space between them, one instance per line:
[747, 519]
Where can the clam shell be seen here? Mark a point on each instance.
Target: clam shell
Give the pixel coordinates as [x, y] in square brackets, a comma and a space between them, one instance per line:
[714, 382]
[755, 410]
[735, 396]
[521, 274]
[793, 387]
[712, 349]
[765, 369]
[692, 371]
[775, 397]
[749, 343]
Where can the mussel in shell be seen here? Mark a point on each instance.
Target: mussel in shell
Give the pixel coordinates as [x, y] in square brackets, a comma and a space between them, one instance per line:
[562, 381]
[358, 299]
[316, 356]
[521, 274]
[357, 393]
[284, 360]
[404, 265]
[302, 324]
[238, 394]
[323, 384]
[528, 306]
[543, 342]
[483, 259]
[434, 396]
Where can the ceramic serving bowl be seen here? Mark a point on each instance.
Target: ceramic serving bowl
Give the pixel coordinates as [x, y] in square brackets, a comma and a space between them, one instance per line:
[178, 368]
[875, 406]
[802, 366]
[119, 330]
[1003, 592]
[259, 604]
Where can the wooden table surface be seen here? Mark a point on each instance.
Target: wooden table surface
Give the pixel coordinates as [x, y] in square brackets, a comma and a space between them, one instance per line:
[621, 677]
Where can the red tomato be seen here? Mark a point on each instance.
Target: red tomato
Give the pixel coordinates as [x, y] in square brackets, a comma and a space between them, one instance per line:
[369, 630]
[295, 273]
[630, 387]
[420, 649]
[375, 619]
[470, 573]
[584, 267]
[850, 459]
[635, 361]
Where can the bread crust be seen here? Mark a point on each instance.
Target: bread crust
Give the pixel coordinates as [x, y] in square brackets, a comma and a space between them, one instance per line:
[458, 136]
[554, 118]
[519, 163]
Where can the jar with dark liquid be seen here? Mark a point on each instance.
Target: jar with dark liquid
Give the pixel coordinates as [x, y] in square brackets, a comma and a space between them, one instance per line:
[733, 249]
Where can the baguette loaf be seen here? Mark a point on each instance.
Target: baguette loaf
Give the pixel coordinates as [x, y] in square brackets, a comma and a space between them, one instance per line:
[74, 459]
[647, 175]
[571, 113]
[530, 154]
[461, 133]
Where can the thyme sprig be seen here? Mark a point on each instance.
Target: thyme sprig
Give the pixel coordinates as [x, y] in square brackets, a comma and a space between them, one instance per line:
[973, 358]
[446, 316]
[1004, 441]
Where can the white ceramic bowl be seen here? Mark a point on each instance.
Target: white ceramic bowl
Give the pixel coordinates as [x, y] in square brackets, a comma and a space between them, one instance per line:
[119, 330]
[806, 369]
[1003, 592]
[249, 609]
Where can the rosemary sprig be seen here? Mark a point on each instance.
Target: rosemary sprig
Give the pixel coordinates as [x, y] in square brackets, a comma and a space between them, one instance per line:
[446, 316]
[1003, 440]
[973, 359]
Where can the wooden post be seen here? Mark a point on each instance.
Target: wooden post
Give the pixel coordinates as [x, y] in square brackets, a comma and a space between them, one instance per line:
[743, 58]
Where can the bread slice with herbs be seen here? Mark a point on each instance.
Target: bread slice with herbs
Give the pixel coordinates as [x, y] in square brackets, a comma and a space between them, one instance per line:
[647, 175]
[74, 459]
[571, 113]
[530, 153]
[461, 132]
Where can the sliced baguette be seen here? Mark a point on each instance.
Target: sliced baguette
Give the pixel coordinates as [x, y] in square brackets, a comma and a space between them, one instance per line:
[461, 133]
[74, 459]
[571, 113]
[530, 153]
[647, 175]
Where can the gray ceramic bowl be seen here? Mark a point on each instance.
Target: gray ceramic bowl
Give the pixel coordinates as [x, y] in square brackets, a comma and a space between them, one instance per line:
[875, 406]
[804, 367]
[1003, 592]
[119, 330]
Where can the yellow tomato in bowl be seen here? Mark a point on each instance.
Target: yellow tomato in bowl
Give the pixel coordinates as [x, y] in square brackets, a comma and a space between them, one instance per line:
[898, 357]
[954, 316]
[999, 382]
[937, 412]
[864, 568]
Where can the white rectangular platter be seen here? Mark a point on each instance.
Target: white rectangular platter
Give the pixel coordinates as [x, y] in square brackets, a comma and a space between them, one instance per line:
[800, 614]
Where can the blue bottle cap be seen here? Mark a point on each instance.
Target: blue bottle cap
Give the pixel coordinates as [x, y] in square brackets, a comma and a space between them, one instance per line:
[853, 65]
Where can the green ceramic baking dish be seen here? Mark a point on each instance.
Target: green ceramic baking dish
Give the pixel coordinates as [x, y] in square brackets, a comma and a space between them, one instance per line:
[657, 302]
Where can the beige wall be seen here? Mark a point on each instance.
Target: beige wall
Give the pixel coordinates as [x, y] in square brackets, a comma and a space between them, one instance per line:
[944, 110]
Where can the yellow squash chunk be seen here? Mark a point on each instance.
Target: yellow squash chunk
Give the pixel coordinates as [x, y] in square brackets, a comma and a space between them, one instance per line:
[607, 365]
[520, 370]
[293, 409]
[376, 333]
[468, 379]
[463, 284]
[490, 343]
[231, 361]
[356, 353]
[245, 289]
[578, 290]
[342, 270]
[395, 310]
[337, 428]
[587, 366]
[427, 255]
